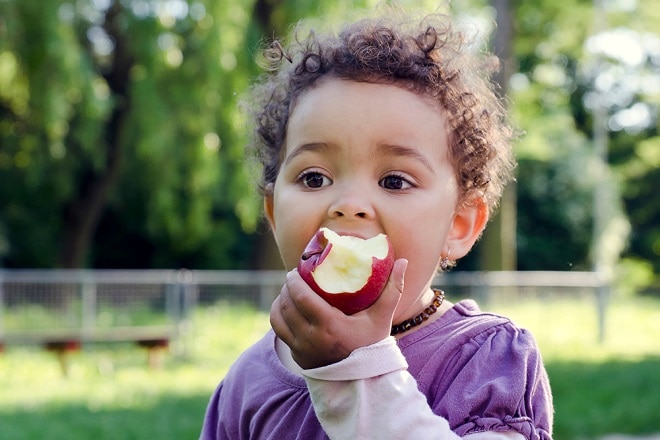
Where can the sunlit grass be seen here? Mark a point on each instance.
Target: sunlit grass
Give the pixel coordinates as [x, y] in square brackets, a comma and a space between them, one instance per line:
[110, 392]
[567, 329]
[117, 374]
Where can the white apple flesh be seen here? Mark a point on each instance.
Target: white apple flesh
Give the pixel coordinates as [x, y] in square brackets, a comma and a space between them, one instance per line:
[349, 272]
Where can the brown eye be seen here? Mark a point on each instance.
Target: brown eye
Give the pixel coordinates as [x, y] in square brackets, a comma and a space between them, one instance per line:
[314, 180]
[394, 182]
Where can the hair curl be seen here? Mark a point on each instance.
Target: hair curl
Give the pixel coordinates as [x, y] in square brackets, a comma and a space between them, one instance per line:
[428, 58]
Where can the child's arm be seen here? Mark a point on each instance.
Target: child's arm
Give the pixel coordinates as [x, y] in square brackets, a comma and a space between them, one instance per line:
[371, 395]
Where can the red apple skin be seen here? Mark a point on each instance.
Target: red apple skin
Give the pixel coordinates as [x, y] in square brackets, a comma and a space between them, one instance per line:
[353, 302]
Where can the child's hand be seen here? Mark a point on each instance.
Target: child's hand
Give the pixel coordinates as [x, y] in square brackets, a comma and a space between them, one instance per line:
[319, 334]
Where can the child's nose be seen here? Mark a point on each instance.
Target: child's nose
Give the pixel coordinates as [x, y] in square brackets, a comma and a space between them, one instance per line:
[351, 205]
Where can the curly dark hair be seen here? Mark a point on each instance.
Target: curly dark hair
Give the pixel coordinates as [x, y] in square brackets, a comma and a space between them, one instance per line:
[429, 58]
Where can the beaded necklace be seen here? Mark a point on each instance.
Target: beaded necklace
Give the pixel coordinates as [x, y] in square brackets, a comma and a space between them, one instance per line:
[418, 319]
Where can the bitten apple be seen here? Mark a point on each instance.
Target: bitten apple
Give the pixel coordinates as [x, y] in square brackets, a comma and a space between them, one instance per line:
[348, 272]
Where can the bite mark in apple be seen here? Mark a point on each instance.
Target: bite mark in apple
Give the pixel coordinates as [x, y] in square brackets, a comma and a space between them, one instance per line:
[349, 272]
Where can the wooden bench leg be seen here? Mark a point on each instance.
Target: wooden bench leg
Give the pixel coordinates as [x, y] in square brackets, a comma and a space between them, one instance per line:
[155, 349]
[62, 350]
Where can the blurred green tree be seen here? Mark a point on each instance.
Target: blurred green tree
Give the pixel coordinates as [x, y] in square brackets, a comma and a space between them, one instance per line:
[121, 143]
[120, 136]
[586, 78]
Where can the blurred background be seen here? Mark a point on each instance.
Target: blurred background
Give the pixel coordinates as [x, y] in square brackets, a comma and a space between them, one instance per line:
[122, 176]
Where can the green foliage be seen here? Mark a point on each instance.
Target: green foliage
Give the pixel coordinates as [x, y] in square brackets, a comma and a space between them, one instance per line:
[552, 101]
[634, 275]
[137, 100]
[640, 170]
[556, 227]
[121, 140]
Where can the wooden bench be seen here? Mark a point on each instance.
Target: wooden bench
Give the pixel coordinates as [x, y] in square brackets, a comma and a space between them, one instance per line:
[63, 342]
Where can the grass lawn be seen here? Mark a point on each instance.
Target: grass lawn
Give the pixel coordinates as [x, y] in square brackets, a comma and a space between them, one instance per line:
[111, 394]
[604, 387]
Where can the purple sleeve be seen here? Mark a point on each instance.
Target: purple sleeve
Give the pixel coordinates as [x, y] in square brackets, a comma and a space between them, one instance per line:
[259, 399]
[500, 385]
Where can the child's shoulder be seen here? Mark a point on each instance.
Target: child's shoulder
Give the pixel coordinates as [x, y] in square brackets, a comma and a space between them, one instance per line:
[465, 320]
[472, 360]
[480, 326]
[469, 312]
[466, 331]
[467, 348]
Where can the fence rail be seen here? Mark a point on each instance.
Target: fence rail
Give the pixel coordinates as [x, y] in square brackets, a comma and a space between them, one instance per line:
[95, 304]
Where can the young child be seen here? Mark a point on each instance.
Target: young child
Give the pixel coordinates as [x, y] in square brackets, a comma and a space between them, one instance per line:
[391, 127]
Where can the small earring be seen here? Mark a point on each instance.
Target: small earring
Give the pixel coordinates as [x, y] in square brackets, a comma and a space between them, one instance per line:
[445, 263]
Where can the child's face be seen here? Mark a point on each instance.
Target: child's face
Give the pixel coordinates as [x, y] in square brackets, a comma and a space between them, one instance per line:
[361, 159]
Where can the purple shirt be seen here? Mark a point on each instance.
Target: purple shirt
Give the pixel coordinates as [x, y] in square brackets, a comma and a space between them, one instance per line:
[476, 369]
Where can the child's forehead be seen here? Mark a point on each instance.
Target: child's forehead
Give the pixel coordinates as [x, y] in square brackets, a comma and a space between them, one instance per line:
[363, 91]
[371, 118]
[368, 104]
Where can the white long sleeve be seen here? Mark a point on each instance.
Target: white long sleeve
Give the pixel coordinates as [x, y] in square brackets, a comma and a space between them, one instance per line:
[371, 395]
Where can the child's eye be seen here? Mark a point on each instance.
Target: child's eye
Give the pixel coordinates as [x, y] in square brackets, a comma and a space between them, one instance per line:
[395, 182]
[314, 179]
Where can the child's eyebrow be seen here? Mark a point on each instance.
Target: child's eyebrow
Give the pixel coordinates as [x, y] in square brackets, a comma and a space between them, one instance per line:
[400, 150]
[386, 149]
[312, 147]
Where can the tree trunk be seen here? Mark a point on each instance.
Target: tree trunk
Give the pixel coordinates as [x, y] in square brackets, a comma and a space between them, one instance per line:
[498, 247]
[84, 212]
[267, 256]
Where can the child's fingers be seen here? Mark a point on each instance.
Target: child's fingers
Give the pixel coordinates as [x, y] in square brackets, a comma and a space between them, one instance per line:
[398, 274]
[389, 299]
[297, 309]
[277, 320]
[286, 317]
[310, 305]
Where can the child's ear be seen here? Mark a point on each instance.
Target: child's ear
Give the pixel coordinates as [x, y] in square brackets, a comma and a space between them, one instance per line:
[469, 222]
[269, 206]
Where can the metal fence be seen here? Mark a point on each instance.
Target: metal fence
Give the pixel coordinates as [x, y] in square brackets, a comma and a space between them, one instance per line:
[107, 305]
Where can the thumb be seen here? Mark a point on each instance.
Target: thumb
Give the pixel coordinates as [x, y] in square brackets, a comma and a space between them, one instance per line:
[398, 274]
[389, 299]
